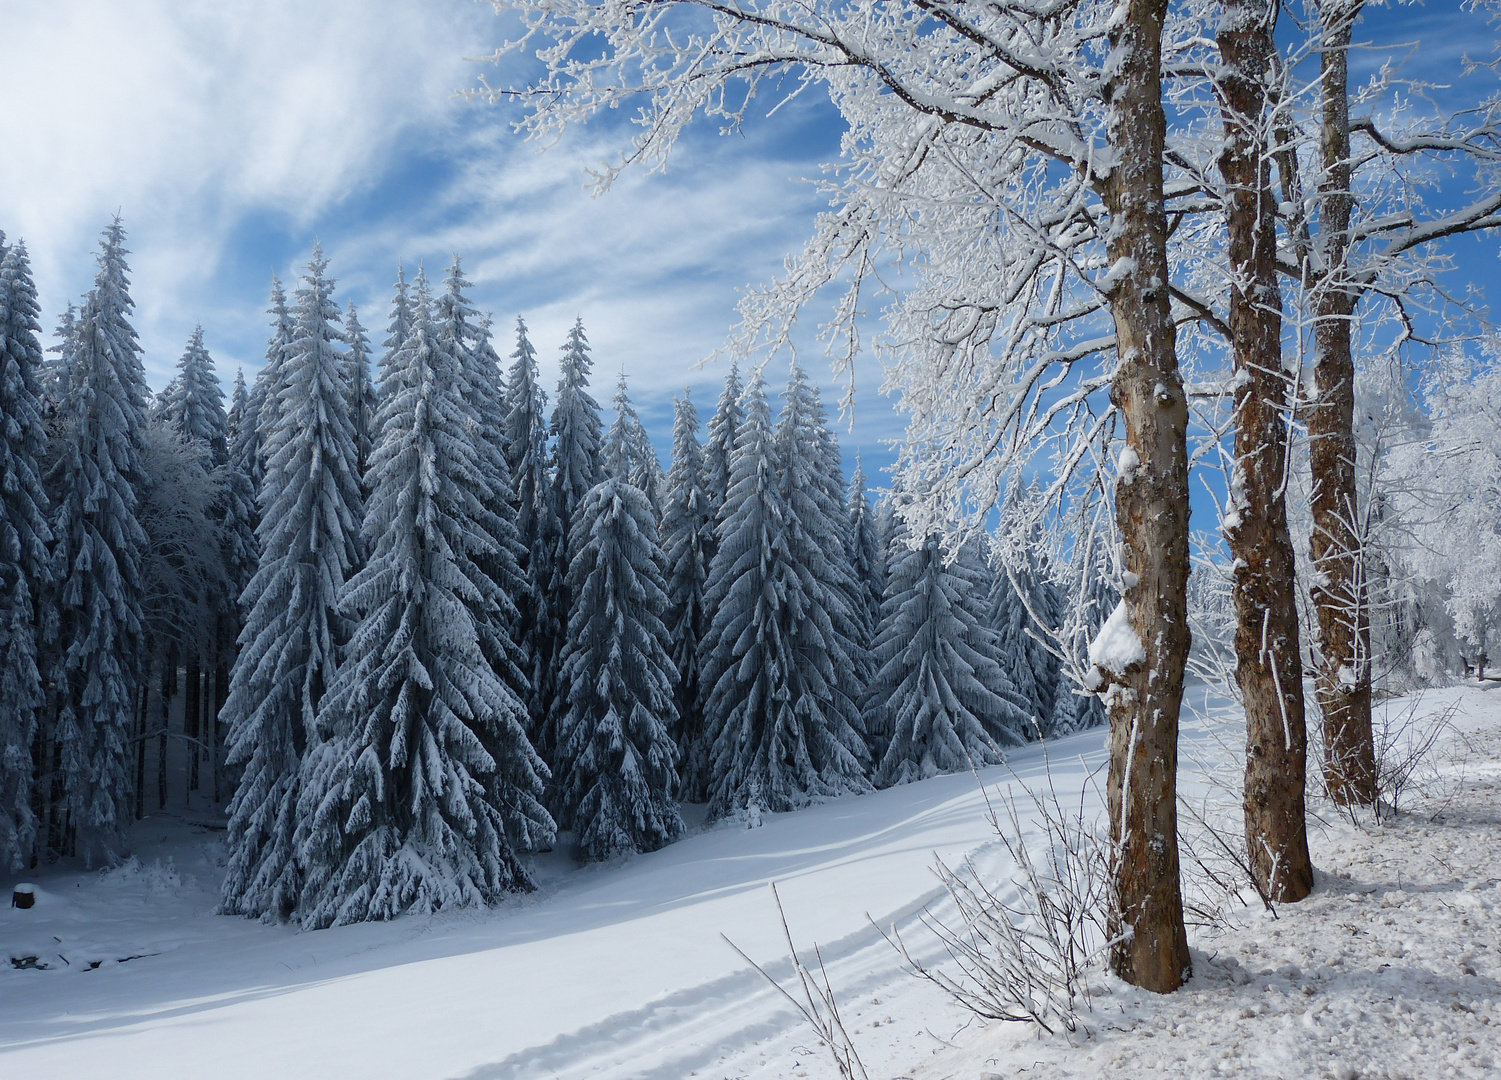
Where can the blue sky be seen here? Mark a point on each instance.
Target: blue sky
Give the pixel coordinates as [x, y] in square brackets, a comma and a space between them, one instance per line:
[230, 134]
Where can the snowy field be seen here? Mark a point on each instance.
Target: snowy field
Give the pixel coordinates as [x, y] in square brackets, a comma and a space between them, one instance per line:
[1391, 969]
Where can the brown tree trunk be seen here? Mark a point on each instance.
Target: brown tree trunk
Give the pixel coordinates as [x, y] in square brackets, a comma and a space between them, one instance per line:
[1343, 677]
[1152, 510]
[1268, 661]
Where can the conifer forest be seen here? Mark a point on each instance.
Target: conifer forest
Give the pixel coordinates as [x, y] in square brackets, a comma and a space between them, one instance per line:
[422, 694]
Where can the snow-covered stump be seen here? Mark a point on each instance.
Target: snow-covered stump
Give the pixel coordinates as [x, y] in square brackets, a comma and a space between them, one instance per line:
[23, 896]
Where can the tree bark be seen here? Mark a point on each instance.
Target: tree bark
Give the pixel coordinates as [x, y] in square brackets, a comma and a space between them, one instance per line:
[1343, 677]
[1152, 510]
[1268, 660]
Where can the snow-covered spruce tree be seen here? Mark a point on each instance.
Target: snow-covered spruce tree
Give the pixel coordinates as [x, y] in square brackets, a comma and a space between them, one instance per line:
[1023, 611]
[939, 698]
[783, 725]
[194, 412]
[426, 788]
[867, 550]
[467, 338]
[719, 447]
[362, 403]
[577, 465]
[261, 413]
[310, 514]
[95, 627]
[57, 373]
[687, 544]
[24, 536]
[628, 452]
[240, 513]
[195, 405]
[400, 324]
[616, 758]
[526, 458]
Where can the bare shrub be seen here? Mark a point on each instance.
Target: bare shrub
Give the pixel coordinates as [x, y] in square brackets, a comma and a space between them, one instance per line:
[815, 1001]
[1024, 953]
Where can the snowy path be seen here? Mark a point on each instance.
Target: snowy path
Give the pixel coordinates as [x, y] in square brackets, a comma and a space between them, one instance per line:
[615, 971]
[609, 971]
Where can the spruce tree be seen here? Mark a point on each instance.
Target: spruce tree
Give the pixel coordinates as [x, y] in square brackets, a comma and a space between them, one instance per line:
[194, 405]
[687, 543]
[940, 701]
[467, 338]
[96, 562]
[400, 326]
[1024, 606]
[309, 542]
[362, 403]
[24, 536]
[263, 413]
[57, 374]
[526, 458]
[779, 675]
[719, 448]
[426, 789]
[616, 758]
[576, 468]
[867, 551]
[628, 452]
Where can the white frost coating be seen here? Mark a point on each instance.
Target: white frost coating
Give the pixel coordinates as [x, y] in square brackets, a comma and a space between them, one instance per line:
[1126, 465]
[1116, 647]
[1129, 580]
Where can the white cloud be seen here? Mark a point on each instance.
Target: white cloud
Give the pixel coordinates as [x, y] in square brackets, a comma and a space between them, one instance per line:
[231, 133]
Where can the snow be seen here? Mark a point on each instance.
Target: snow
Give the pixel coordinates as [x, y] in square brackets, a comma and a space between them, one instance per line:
[619, 970]
[1116, 647]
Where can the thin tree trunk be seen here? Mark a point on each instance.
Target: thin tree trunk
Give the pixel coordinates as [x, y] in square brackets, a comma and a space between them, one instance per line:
[142, 719]
[1343, 677]
[168, 689]
[191, 714]
[1152, 510]
[1268, 660]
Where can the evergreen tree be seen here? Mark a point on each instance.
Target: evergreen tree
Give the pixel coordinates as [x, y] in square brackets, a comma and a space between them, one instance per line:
[628, 452]
[576, 468]
[194, 405]
[57, 374]
[96, 561]
[467, 339]
[427, 788]
[24, 536]
[940, 701]
[1024, 606]
[687, 541]
[617, 761]
[779, 675]
[309, 542]
[526, 458]
[362, 403]
[262, 415]
[867, 549]
[719, 449]
[400, 326]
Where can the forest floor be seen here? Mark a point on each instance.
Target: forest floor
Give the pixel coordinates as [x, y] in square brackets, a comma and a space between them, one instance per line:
[1391, 969]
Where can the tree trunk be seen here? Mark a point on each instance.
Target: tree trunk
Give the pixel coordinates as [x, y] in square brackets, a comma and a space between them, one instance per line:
[191, 713]
[1343, 677]
[1152, 510]
[1268, 660]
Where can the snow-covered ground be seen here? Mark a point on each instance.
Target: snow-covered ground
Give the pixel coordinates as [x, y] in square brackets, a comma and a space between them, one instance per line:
[1392, 968]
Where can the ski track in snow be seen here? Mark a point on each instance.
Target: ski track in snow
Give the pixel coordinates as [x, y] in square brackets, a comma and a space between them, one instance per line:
[619, 971]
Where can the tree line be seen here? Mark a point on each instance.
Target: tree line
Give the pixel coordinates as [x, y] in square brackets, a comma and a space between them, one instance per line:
[415, 623]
